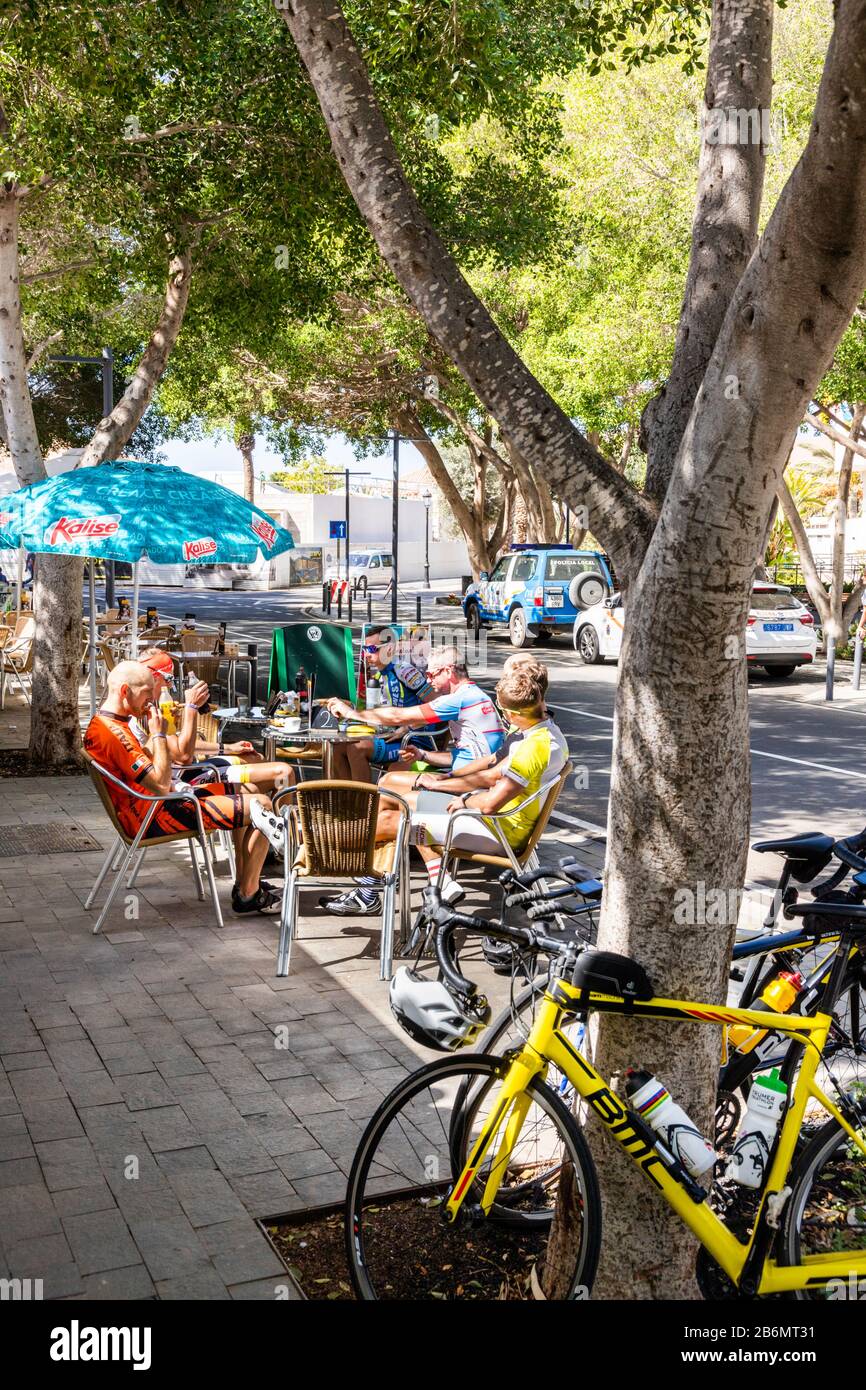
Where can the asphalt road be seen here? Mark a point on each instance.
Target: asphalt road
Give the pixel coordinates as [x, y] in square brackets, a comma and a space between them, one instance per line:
[808, 764]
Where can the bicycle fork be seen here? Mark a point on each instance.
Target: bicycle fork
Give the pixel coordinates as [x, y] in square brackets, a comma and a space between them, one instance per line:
[513, 1097]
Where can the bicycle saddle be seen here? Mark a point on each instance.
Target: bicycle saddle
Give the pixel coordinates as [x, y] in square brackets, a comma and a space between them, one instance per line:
[605, 972]
[807, 853]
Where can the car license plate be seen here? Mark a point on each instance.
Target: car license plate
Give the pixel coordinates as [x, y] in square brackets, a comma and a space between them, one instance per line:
[554, 599]
[778, 627]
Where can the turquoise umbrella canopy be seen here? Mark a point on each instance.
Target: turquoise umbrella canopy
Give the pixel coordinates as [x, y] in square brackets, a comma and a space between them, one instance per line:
[129, 511]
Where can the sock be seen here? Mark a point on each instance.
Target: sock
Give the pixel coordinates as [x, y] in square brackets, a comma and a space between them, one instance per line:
[368, 895]
[448, 886]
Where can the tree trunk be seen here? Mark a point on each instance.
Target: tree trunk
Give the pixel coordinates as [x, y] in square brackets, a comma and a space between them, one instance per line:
[836, 631]
[814, 587]
[114, 431]
[452, 312]
[20, 427]
[55, 731]
[246, 443]
[680, 791]
[471, 525]
[680, 795]
[55, 734]
[725, 226]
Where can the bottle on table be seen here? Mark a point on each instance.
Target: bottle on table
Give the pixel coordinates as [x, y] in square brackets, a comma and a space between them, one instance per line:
[303, 693]
[653, 1102]
[757, 1133]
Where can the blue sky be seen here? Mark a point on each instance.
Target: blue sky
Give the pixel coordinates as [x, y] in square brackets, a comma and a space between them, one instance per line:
[208, 456]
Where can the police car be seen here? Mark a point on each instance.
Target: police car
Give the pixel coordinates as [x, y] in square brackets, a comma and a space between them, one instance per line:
[538, 590]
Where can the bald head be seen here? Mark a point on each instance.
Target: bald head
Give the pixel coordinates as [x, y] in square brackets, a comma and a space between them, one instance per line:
[130, 687]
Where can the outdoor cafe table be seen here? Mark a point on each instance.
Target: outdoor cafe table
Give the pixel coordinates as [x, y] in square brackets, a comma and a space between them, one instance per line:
[274, 737]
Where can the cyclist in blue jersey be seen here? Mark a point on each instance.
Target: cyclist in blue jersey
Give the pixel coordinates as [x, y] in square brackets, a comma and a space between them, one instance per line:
[401, 686]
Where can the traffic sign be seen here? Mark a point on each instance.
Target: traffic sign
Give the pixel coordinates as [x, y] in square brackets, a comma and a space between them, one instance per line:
[337, 530]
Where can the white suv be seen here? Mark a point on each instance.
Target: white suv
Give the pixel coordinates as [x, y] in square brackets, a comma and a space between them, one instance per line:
[780, 631]
[367, 570]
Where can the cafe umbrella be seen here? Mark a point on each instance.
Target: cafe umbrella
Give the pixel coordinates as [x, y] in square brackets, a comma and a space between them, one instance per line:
[130, 511]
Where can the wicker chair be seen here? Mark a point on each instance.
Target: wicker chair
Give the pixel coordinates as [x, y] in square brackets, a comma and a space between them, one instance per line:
[199, 652]
[16, 661]
[137, 846]
[330, 840]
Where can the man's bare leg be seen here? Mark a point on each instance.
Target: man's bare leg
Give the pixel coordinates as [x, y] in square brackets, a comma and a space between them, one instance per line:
[263, 777]
[358, 754]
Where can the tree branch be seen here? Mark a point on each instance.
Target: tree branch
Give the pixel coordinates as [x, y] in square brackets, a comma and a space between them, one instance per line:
[849, 441]
[112, 432]
[725, 225]
[817, 592]
[454, 315]
[30, 277]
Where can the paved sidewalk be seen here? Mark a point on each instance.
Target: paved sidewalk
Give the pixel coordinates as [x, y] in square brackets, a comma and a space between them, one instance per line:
[160, 1088]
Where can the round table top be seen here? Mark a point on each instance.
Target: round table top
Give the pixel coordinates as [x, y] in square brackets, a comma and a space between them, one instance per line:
[307, 735]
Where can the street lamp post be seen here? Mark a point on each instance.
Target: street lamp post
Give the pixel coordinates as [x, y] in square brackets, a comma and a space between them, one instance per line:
[395, 520]
[426, 498]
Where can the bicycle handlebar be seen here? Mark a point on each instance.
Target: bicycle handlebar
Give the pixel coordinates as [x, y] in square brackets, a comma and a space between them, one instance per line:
[447, 921]
[847, 855]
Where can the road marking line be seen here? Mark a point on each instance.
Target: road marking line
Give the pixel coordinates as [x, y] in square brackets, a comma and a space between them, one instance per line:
[575, 709]
[581, 824]
[756, 752]
[801, 762]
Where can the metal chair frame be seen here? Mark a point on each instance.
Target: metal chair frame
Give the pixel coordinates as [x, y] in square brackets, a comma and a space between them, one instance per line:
[395, 883]
[124, 849]
[527, 858]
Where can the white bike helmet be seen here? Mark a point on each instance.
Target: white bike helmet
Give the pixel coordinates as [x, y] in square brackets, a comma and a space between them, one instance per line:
[435, 1015]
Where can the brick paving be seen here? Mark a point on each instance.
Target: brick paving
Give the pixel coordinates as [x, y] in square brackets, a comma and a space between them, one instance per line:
[160, 1089]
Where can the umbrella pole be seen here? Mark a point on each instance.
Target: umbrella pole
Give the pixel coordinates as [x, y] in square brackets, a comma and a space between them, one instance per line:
[133, 646]
[20, 576]
[92, 642]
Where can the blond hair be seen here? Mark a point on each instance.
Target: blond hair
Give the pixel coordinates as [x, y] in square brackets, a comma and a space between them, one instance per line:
[520, 690]
[527, 662]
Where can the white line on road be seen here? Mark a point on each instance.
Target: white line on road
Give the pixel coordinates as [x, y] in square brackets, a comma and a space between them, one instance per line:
[756, 752]
[801, 762]
[557, 704]
[566, 819]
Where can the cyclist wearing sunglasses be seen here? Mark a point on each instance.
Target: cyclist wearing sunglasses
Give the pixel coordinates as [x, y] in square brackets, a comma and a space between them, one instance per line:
[402, 686]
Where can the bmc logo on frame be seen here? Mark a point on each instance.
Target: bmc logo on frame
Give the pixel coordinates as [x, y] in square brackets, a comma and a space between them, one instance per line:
[264, 530]
[70, 528]
[194, 550]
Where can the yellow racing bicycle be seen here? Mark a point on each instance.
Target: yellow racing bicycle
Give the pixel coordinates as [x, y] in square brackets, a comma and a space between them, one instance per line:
[456, 1181]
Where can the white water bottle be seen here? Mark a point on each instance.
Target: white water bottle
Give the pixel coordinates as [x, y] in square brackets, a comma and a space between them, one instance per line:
[653, 1102]
[767, 1100]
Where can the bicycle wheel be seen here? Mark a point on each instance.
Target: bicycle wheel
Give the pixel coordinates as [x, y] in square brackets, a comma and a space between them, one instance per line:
[400, 1246]
[827, 1207]
[509, 1030]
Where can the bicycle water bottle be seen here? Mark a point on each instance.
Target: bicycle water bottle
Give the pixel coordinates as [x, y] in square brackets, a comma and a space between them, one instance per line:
[777, 998]
[767, 1100]
[653, 1102]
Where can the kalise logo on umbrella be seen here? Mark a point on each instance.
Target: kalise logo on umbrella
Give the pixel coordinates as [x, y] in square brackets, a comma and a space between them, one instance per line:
[264, 529]
[76, 528]
[5, 517]
[195, 550]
